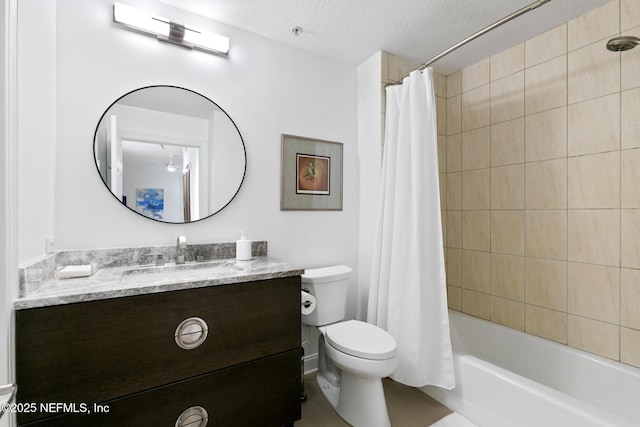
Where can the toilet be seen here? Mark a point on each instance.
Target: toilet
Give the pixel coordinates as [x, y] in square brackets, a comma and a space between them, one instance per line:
[353, 356]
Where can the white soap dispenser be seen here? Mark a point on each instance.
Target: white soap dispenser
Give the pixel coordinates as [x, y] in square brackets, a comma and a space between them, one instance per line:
[243, 248]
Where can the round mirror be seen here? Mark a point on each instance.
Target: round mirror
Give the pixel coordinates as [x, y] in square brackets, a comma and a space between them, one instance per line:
[169, 154]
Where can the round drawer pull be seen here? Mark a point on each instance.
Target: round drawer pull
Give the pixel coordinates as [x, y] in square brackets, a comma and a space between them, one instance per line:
[196, 416]
[191, 333]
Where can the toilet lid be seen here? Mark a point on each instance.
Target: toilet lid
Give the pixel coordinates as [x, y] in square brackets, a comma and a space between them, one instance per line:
[361, 339]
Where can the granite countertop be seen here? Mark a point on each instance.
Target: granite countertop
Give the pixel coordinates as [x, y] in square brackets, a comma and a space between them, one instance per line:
[129, 281]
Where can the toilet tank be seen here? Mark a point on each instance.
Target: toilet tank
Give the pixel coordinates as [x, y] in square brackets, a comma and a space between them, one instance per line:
[329, 287]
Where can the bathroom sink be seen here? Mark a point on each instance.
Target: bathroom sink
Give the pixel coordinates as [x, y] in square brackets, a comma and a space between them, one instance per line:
[188, 271]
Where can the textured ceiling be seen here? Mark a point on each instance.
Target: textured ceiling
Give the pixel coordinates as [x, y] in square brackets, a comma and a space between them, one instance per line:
[415, 30]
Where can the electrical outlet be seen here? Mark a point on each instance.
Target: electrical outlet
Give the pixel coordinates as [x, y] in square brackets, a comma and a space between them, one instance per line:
[50, 244]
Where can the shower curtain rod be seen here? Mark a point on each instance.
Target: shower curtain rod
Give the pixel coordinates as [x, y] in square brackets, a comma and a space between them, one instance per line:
[493, 26]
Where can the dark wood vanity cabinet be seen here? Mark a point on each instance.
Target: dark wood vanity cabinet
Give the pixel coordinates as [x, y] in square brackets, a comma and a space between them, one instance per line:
[117, 362]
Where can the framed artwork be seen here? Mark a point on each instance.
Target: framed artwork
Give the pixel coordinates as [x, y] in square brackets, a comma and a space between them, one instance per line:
[150, 202]
[311, 174]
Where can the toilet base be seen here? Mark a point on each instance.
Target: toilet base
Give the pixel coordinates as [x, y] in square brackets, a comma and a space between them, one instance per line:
[330, 392]
[359, 401]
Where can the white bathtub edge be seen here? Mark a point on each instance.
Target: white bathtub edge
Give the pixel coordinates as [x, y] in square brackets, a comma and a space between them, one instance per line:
[494, 397]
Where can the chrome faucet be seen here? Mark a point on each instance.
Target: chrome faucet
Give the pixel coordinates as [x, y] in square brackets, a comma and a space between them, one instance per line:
[181, 249]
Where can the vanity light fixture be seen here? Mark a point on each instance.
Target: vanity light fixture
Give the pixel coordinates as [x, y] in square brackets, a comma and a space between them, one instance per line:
[166, 30]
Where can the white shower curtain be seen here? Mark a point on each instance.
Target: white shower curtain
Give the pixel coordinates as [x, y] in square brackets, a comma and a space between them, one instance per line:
[407, 296]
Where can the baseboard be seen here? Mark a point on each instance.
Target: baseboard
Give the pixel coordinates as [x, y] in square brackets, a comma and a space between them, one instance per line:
[310, 363]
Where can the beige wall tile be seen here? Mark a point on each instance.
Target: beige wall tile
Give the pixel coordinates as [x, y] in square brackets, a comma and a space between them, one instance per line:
[454, 191]
[476, 234]
[507, 98]
[545, 323]
[573, 204]
[476, 148]
[546, 135]
[507, 62]
[453, 84]
[475, 76]
[546, 46]
[394, 68]
[440, 84]
[594, 236]
[454, 267]
[476, 271]
[630, 346]
[546, 283]
[443, 219]
[546, 86]
[630, 134]
[546, 234]
[442, 154]
[630, 230]
[442, 183]
[454, 115]
[546, 184]
[454, 298]
[507, 276]
[476, 304]
[508, 313]
[507, 143]
[594, 126]
[454, 153]
[507, 187]
[630, 63]
[476, 108]
[594, 336]
[593, 72]
[594, 292]
[406, 68]
[476, 187]
[629, 297]
[454, 229]
[629, 14]
[384, 64]
[595, 25]
[594, 181]
[507, 232]
[441, 115]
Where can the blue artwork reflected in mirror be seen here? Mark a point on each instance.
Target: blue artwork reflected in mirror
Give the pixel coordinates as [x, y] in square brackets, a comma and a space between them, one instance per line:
[150, 202]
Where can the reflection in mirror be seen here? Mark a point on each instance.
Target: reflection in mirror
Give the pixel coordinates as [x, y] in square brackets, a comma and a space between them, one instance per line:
[169, 154]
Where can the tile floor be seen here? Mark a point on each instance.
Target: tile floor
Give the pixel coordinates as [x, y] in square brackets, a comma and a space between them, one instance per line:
[407, 407]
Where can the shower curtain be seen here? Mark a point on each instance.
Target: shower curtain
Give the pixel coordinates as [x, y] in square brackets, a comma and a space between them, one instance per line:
[407, 295]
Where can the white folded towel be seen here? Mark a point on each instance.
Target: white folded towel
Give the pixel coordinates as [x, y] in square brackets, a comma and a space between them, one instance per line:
[72, 271]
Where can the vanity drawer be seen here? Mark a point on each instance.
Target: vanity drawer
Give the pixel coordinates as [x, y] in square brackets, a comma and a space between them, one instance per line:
[262, 393]
[101, 350]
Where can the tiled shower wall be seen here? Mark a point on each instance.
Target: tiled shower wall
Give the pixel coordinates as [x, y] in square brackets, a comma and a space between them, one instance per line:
[393, 70]
[542, 171]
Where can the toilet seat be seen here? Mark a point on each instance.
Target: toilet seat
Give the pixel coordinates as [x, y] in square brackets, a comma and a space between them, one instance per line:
[361, 339]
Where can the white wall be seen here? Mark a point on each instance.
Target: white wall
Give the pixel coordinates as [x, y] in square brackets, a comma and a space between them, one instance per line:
[267, 88]
[36, 125]
[222, 146]
[8, 191]
[370, 159]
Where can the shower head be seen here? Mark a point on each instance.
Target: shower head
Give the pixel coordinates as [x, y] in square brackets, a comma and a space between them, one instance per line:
[620, 44]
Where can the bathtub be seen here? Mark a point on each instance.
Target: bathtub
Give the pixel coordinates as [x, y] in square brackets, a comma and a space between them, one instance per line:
[507, 378]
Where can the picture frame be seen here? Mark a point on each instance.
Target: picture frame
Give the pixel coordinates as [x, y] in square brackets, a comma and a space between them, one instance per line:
[311, 174]
[150, 202]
